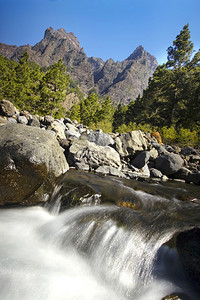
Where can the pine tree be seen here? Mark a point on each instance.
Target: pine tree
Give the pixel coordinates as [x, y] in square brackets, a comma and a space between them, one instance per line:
[180, 53]
[53, 89]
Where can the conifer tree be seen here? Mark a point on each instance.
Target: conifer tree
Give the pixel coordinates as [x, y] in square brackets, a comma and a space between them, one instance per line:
[53, 89]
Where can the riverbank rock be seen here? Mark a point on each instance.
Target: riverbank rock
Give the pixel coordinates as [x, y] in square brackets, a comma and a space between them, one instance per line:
[30, 160]
[141, 159]
[188, 246]
[100, 138]
[7, 108]
[168, 163]
[127, 144]
[107, 170]
[85, 155]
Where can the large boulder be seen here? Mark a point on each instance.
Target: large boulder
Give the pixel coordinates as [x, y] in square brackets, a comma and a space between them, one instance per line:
[7, 108]
[127, 144]
[100, 138]
[188, 246]
[30, 160]
[169, 163]
[140, 160]
[88, 156]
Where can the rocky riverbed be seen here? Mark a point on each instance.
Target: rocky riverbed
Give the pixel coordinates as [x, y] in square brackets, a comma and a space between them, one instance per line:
[35, 150]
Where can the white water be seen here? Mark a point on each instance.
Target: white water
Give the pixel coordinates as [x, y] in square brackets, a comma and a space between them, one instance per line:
[35, 266]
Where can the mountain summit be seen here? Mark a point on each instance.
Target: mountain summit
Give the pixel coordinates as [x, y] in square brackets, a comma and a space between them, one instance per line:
[123, 81]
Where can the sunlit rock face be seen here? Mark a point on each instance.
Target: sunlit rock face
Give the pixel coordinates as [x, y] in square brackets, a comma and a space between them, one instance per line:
[123, 80]
[30, 160]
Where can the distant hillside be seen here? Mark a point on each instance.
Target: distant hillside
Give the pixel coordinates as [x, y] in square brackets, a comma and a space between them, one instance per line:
[123, 81]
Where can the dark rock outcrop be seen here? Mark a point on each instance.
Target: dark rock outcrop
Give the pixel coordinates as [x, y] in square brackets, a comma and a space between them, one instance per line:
[188, 246]
[169, 163]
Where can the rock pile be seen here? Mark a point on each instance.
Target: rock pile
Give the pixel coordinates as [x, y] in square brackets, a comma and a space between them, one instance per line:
[29, 140]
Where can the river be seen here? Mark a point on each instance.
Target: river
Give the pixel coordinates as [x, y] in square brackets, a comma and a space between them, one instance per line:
[117, 245]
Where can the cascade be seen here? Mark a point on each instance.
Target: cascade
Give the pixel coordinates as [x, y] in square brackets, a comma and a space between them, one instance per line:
[107, 250]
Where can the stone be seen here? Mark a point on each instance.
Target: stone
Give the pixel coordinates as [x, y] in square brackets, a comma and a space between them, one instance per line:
[194, 177]
[59, 128]
[188, 246]
[48, 120]
[72, 134]
[107, 170]
[140, 160]
[153, 153]
[127, 144]
[12, 120]
[155, 173]
[34, 121]
[3, 121]
[22, 120]
[7, 108]
[67, 120]
[30, 160]
[85, 155]
[168, 163]
[194, 158]
[188, 151]
[71, 127]
[177, 296]
[183, 173]
[100, 138]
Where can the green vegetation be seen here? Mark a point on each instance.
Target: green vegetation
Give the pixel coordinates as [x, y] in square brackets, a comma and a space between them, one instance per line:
[30, 88]
[170, 104]
[94, 112]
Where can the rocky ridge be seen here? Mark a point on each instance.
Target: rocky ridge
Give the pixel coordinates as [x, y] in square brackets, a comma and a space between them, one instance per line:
[123, 81]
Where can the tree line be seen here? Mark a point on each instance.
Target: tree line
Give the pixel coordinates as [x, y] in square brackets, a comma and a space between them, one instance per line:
[170, 104]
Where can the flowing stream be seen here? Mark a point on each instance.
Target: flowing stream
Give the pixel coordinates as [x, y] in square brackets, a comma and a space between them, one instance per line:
[113, 246]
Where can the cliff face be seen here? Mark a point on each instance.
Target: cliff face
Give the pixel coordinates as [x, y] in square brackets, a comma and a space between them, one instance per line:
[123, 81]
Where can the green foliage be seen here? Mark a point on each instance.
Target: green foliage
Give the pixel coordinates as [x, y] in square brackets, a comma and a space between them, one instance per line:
[169, 135]
[53, 89]
[119, 117]
[187, 137]
[179, 55]
[30, 88]
[172, 98]
[93, 112]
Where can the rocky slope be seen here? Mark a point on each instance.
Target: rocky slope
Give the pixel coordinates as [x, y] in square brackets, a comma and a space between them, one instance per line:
[123, 81]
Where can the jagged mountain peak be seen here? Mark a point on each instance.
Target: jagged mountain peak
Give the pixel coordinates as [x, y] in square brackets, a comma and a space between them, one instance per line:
[61, 34]
[123, 81]
[138, 53]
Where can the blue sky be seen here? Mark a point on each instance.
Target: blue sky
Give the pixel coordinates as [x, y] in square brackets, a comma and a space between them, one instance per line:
[105, 28]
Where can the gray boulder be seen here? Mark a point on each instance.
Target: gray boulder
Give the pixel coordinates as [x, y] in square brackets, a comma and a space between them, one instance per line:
[72, 134]
[34, 121]
[155, 173]
[59, 128]
[127, 144]
[22, 120]
[107, 170]
[100, 138]
[12, 120]
[30, 160]
[168, 163]
[48, 120]
[7, 108]
[88, 156]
